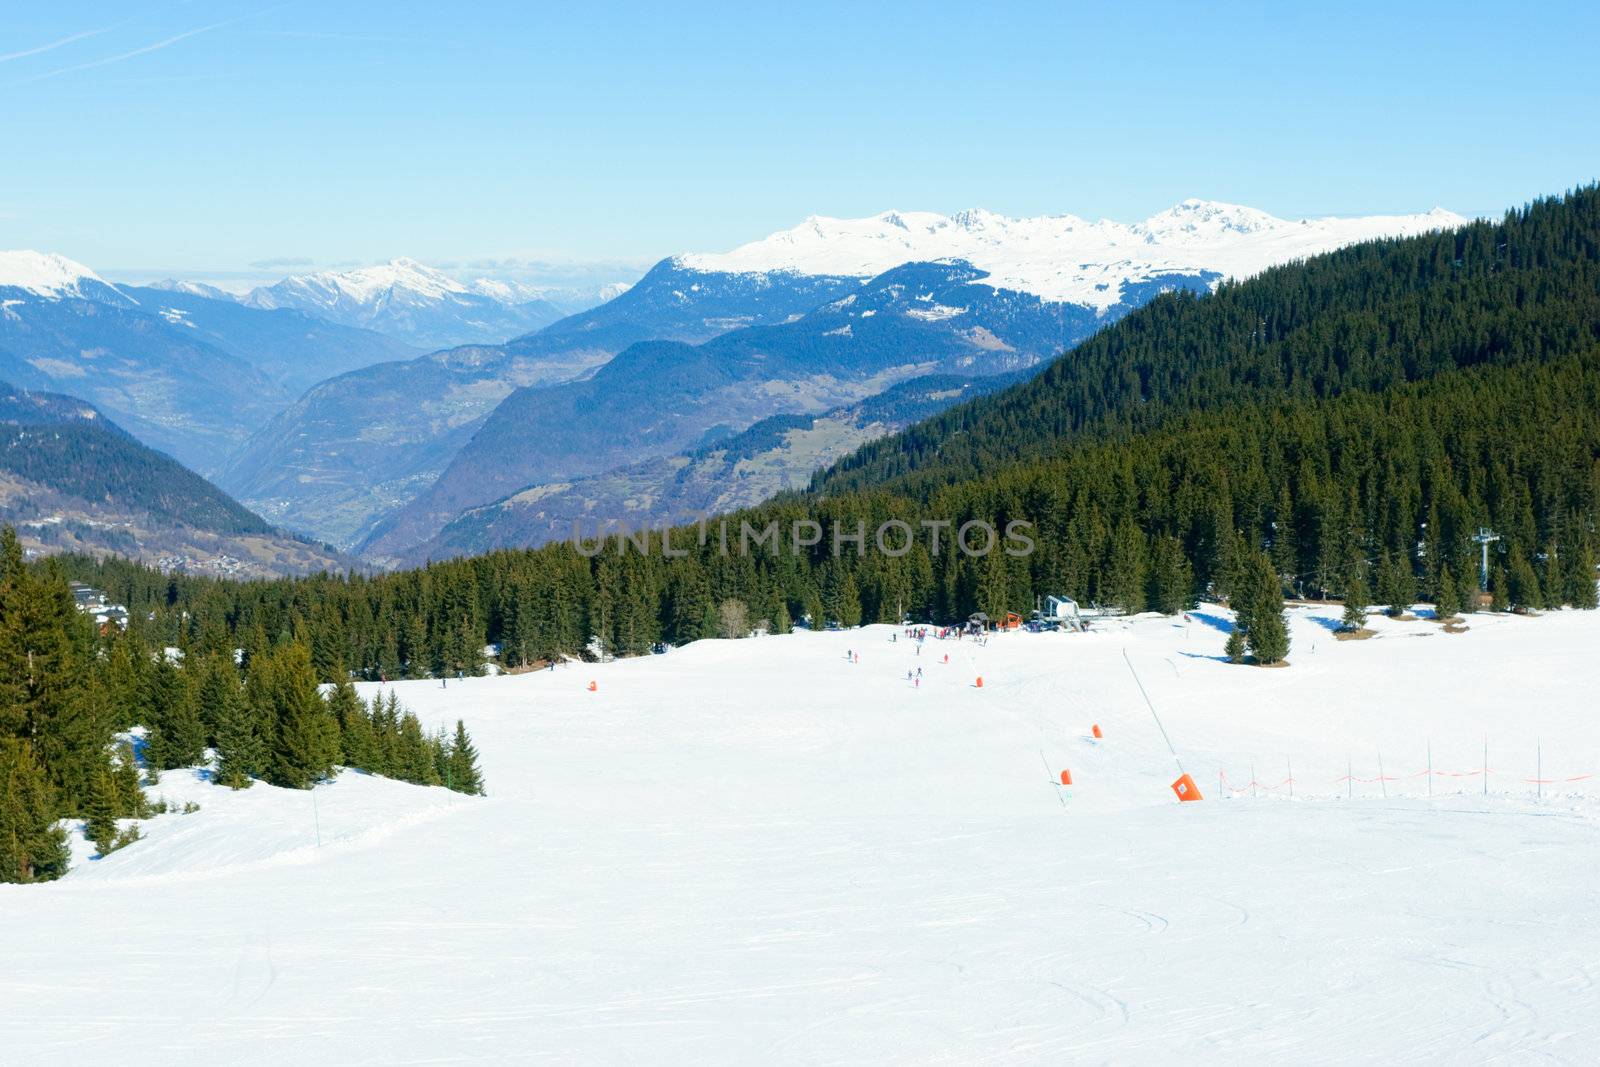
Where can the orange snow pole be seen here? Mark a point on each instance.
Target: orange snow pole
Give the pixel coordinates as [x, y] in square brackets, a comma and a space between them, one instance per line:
[980, 682]
[594, 687]
[1066, 777]
[1096, 729]
[1186, 789]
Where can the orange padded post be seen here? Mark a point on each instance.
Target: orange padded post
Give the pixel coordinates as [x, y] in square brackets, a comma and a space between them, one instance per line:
[1096, 729]
[980, 681]
[1066, 777]
[1186, 789]
[594, 687]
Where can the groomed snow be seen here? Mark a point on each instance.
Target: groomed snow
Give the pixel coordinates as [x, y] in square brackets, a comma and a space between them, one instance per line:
[754, 851]
[1062, 257]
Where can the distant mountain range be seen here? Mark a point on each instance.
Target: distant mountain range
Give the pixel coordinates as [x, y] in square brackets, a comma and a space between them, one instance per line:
[72, 480]
[910, 294]
[310, 401]
[777, 454]
[360, 446]
[415, 304]
[187, 374]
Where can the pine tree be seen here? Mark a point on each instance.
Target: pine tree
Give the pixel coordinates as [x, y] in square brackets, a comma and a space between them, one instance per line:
[1523, 587]
[178, 738]
[1171, 578]
[1356, 596]
[416, 763]
[1446, 602]
[130, 795]
[1499, 589]
[1235, 647]
[357, 742]
[463, 776]
[1581, 589]
[33, 847]
[1258, 609]
[100, 825]
[1396, 586]
[241, 749]
[299, 753]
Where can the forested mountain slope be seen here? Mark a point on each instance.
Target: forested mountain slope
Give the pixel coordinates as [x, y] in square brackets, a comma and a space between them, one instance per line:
[1366, 317]
[1334, 428]
[71, 480]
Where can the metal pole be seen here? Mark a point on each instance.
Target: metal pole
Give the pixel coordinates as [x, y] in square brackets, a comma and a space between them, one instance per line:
[1287, 762]
[1430, 767]
[1153, 714]
[1252, 779]
[1382, 784]
[1485, 764]
[1349, 778]
[1538, 769]
[316, 817]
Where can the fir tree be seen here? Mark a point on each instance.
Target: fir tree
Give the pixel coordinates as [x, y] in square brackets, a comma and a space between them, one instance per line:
[178, 738]
[1446, 602]
[463, 774]
[33, 847]
[357, 741]
[241, 749]
[1235, 647]
[130, 795]
[1396, 586]
[100, 825]
[1522, 589]
[299, 754]
[1581, 588]
[1499, 589]
[1356, 596]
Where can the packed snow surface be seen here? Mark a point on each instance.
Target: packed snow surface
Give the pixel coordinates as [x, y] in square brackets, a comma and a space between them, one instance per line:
[1062, 257]
[761, 852]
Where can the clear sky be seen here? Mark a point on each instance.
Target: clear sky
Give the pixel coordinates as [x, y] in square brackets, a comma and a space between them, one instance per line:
[217, 136]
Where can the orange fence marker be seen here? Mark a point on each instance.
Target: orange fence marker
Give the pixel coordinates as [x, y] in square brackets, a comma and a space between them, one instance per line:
[1186, 789]
[594, 687]
[1096, 729]
[1066, 777]
[980, 682]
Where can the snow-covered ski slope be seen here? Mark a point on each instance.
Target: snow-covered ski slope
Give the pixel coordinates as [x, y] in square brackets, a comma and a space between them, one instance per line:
[756, 852]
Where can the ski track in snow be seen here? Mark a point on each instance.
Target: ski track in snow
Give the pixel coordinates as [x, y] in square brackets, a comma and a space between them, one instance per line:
[755, 852]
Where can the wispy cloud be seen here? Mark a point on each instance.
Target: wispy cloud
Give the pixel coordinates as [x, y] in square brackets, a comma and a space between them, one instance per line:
[282, 261]
[154, 46]
[53, 45]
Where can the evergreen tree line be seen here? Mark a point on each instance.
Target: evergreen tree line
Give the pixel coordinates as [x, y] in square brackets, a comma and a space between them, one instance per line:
[67, 690]
[1363, 318]
[1355, 417]
[1361, 495]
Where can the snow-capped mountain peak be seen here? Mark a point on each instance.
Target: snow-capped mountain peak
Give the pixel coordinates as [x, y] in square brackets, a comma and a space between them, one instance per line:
[45, 274]
[402, 277]
[1062, 258]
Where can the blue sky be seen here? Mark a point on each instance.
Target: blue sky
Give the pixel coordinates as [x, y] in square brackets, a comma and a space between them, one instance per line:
[204, 138]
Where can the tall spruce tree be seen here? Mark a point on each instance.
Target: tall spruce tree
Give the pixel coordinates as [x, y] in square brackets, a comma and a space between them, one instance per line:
[33, 846]
[463, 774]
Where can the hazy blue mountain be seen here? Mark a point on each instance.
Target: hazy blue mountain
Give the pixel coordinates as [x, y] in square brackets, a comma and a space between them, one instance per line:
[660, 397]
[778, 453]
[357, 447]
[417, 305]
[72, 480]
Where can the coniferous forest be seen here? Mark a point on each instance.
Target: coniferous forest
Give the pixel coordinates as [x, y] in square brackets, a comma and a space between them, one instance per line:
[1351, 420]
[69, 690]
[1334, 429]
